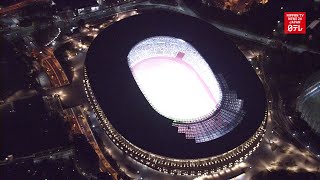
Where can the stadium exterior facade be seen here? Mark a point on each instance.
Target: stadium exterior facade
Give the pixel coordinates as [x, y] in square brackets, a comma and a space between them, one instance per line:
[210, 165]
[213, 164]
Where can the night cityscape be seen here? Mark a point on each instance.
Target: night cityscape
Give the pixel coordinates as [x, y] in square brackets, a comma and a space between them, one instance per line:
[159, 89]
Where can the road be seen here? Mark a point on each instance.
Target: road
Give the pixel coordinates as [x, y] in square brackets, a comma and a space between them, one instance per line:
[13, 8]
[51, 66]
[81, 118]
[48, 62]
[19, 95]
[56, 153]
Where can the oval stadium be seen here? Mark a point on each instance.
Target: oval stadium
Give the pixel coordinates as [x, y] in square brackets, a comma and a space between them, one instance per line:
[175, 94]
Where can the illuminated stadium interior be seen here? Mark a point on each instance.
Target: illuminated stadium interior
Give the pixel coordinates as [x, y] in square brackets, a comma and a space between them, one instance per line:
[179, 84]
[175, 79]
[173, 99]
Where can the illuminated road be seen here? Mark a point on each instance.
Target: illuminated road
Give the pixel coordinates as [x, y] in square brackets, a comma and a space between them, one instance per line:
[56, 153]
[17, 6]
[48, 62]
[81, 118]
[19, 95]
[51, 66]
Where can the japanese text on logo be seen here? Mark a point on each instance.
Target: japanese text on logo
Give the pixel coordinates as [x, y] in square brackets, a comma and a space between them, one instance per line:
[295, 22]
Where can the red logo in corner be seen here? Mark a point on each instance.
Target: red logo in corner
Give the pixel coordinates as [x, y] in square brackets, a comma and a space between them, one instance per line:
[295, 22]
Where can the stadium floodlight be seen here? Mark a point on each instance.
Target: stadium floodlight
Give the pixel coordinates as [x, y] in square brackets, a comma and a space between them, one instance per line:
[175, 79]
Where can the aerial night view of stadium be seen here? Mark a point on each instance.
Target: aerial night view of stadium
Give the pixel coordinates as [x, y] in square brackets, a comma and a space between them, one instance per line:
[160, 89]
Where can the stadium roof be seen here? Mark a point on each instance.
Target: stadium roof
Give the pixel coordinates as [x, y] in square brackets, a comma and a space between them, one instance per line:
[129, 111]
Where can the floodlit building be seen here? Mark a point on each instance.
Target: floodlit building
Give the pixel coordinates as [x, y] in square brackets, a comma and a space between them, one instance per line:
[177, 97]
[309, 102]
